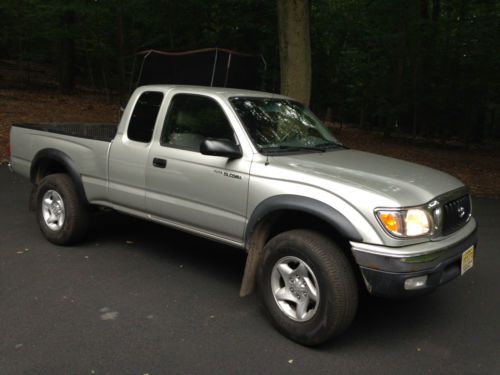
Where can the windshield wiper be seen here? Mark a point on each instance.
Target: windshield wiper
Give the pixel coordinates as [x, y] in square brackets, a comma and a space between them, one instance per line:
[290, 148]
[330, 145]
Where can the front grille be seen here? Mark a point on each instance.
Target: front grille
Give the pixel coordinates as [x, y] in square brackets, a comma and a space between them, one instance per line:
[455, 214]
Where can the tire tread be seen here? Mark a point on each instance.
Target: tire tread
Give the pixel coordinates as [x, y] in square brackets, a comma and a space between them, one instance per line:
[77, 215]
[337, 273]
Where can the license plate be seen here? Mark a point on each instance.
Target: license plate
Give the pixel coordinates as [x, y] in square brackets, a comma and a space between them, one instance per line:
[467, 259]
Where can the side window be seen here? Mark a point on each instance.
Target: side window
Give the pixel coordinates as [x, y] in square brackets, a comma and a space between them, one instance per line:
[191, 119]
[142, 121]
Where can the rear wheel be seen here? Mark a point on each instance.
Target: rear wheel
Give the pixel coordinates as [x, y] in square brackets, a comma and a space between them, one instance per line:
[308, 286]
[62, 216]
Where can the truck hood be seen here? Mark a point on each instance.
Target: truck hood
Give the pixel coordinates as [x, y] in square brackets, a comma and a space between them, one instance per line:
[404, 182]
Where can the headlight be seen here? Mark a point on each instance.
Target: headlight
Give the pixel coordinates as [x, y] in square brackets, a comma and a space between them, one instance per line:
[410, 222]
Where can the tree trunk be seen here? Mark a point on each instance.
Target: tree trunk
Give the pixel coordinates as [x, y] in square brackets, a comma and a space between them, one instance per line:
[121, 50]
[67, 50]
[89, 67]
[393, 114]
[436, 9]
[105, 83]
[424, 9]
[295, 48]
[21, 56]
[362, 113]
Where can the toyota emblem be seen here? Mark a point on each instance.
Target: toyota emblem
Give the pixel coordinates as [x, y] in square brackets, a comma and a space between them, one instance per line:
[461, 212]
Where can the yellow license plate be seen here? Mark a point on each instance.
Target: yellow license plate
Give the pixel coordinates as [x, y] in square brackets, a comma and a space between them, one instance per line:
[467, 259]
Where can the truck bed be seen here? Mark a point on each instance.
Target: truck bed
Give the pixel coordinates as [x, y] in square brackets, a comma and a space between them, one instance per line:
[97, 131]
[86, 144]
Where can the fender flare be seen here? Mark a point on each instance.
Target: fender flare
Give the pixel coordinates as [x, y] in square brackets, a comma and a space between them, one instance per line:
[255, 238]
[303, 204]
[50, 154]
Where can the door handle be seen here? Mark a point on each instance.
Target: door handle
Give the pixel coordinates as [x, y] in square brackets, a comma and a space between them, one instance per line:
[159, 163]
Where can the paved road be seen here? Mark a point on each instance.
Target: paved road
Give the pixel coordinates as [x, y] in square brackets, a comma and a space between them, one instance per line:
[139, 298]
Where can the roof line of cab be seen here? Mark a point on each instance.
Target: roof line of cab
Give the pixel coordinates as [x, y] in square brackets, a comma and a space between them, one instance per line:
[222, 91]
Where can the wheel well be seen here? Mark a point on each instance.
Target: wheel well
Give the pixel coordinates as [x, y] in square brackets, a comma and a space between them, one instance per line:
[50, 161]
[285, 220]
[281, 221]
[45, 167]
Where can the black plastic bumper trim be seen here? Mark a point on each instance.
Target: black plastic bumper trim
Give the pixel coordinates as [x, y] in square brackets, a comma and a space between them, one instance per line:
[387, 275]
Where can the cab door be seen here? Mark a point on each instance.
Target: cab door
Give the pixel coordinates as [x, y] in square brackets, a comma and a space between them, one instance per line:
[129, 153]
[200, 192]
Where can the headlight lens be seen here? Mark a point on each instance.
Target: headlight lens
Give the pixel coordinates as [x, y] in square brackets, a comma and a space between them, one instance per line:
[410, 222]
[417, 222]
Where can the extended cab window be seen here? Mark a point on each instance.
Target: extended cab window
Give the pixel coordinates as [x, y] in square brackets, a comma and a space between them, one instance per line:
[142, 121]
[191, 119]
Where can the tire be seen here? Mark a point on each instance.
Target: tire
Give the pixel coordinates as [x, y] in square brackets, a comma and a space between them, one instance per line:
[296, 264]
[62, 216]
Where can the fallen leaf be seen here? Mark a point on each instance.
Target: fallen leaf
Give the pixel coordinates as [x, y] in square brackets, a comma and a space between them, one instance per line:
[111, 315]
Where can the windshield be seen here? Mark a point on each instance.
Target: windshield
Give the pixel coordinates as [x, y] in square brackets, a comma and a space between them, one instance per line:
[276, 125]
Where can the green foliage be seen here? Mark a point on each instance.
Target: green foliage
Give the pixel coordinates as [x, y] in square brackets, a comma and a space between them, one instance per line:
[427, 67]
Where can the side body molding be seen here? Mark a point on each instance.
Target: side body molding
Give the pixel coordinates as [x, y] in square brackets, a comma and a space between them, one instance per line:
[306, 205]
[48, 155]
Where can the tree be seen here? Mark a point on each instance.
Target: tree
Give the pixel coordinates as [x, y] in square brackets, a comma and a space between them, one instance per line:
[67, 53]
[426, 68]
[295, 48]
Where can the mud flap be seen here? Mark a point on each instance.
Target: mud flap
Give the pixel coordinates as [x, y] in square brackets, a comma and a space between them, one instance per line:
[255, 251]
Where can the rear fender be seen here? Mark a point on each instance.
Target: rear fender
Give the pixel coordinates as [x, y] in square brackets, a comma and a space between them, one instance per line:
[51, 159]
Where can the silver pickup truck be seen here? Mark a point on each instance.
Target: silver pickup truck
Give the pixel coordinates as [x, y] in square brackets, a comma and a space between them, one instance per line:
[259, 172]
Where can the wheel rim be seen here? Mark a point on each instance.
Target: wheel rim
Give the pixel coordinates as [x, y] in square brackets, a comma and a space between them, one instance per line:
[53, 210]
[295, 288]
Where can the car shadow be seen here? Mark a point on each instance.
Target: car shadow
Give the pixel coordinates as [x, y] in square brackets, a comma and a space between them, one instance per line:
[378, 320]
[169, 245]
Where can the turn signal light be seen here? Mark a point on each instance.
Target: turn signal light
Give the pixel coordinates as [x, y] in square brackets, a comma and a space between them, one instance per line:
[390, 221]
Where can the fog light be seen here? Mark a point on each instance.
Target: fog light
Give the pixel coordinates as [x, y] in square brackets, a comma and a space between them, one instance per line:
[415, 282]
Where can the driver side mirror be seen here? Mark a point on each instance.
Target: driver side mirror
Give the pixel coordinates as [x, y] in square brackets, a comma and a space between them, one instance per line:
[220, 147]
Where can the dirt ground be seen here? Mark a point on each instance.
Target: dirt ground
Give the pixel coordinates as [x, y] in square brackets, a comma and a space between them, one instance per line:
[478, 166]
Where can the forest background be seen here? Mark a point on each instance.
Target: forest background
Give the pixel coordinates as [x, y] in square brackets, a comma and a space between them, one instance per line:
[416, 79]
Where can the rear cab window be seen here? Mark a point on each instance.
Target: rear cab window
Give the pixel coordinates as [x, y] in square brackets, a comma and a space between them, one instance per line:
[143, 118]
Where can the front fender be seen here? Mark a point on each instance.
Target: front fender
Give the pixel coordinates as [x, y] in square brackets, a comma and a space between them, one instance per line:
[303, 204]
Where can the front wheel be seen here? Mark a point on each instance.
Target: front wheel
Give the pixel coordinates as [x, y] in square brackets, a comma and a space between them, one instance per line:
[308, 286]
[62, 216]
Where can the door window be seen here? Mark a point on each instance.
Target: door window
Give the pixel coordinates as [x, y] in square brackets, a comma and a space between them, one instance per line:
[143, 119]
[193, 118]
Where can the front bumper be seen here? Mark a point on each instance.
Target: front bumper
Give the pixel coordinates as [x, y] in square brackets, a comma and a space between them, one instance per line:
[385, 269]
